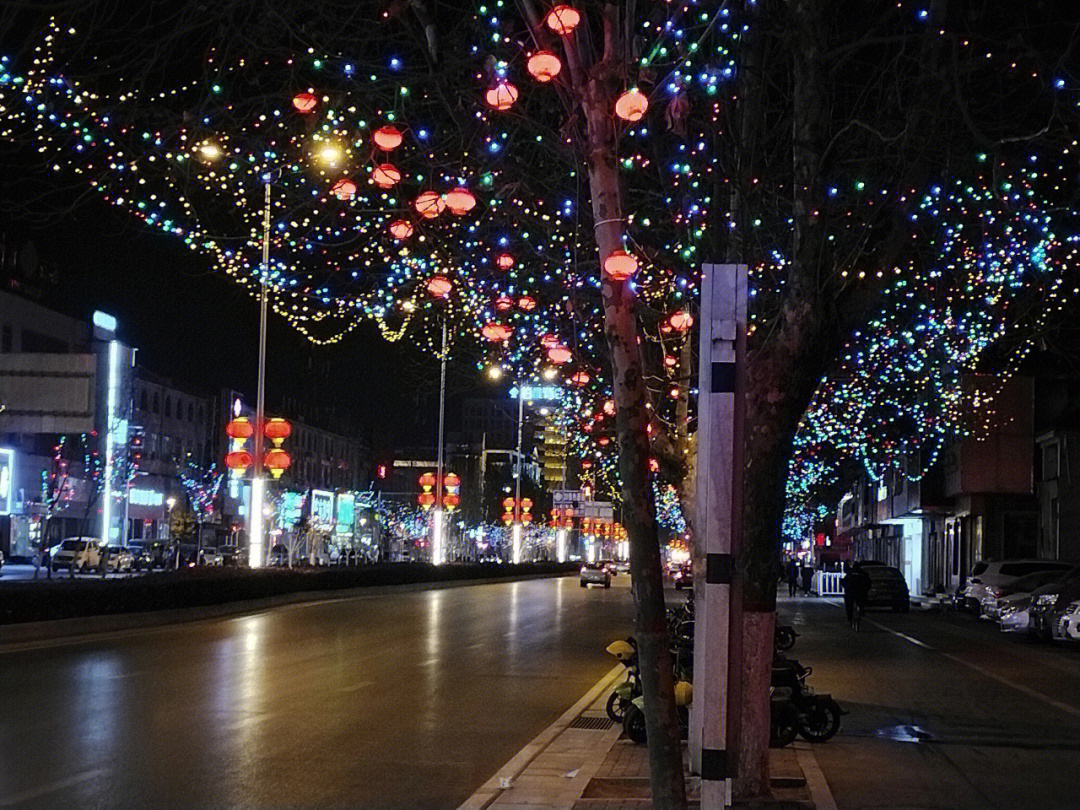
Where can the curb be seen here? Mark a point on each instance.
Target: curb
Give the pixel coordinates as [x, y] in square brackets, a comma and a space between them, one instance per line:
[84, 629]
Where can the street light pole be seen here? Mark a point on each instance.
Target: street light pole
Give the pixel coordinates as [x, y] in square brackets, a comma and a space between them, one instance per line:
[437, 539]
[256, 550]
[517, 480]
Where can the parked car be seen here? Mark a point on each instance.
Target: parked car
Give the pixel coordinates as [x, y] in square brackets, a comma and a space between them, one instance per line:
[595, 574]
[279, 556]
[987, 573]
[990, 606]
[211, 556]
[232, 555]
[80, 553]
[1050, 604]
[121, 560]
[683, 576]
[1014, 613]
[887, 587]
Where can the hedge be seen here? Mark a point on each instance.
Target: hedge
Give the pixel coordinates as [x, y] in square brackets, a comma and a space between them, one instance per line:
[64, 598]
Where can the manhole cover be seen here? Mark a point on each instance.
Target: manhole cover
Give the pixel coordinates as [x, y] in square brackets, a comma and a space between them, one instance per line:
[593, 723]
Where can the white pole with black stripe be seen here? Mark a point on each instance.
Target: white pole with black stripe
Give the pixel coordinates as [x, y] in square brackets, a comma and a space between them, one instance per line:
[722, 326]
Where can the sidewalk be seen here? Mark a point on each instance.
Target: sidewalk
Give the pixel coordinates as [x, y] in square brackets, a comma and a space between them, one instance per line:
[583, 762]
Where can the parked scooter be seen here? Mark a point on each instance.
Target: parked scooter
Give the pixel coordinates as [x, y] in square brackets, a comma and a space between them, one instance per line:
[784, 638]
[818, 714]
[626, 691]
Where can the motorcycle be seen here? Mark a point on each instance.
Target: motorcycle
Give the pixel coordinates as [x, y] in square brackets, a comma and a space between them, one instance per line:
[784, 638]
[818, 714]
[627, 690]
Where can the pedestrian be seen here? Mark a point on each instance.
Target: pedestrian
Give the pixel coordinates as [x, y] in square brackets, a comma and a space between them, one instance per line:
[793, 577]
[856, 585]
[103, 562]
[807, 579]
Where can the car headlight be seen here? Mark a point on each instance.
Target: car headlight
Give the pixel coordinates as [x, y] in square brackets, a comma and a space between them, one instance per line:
[1046, 599]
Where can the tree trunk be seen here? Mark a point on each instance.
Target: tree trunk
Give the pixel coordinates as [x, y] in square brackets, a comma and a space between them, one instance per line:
[632, 419]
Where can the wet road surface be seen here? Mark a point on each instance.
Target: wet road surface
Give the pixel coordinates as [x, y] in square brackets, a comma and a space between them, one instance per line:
[396, 700]
[946, 711]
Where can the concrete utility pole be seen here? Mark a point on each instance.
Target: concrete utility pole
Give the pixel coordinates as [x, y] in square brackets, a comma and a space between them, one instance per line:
[718, 628]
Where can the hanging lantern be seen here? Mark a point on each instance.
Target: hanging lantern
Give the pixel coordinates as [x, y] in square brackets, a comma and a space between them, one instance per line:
[386, 175]
[620, 265]
[504, 303]
[401, 229]
[580, 378]
[681, 320]
[496, 332]
[427, 480]
[526, 517]
[460, 200]
[344, 189]
[504, 261]
[452, 480]
[631, 105]
[277, 430]
[563, 20]
[439, 286]
[502, 96]
[238, 460]
[451, 500]
[387, 138]
[508, 504]
[277, 461]
[559, 355]
[304, 103]
[426, 500]
[508, 518]
[526, 303]
[240, 429]
[429, 204]
[544, 66]
[549, 341]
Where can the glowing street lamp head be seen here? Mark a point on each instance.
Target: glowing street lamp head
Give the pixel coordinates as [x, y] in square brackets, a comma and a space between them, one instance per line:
[330, 155]
[210, 151]
[495, 372]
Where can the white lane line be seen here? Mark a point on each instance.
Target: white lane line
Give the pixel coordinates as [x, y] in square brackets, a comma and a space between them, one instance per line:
[815, 780]
[505, 776]
[51, 787]
[1019, 687]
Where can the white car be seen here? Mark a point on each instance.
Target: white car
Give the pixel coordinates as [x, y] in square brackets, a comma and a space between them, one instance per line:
[211, 556]
[80, 553]
[595, 574]
[1012, 613]
[1068, 624]
[985, 574]
[120, 559]
[990, 606]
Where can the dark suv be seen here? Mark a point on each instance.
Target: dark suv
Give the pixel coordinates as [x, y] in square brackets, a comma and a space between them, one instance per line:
[887, 587]
[1050, 601]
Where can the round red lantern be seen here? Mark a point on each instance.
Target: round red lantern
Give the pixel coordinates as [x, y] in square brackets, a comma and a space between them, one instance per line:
[460, 200]
[508, 504]
[620, 265]
[429, 204]
[427, 480]
[238, 460]
[559, 355]
[277, 429]
[504, 303]
[277, 461]
[502, 96]
[544, 66]
[504, 261]
[386, 175]
[496, 332]
[563, 19]
[549, 341]
[401, 229]
[240, 428]
[580, 378]
[508, 518]
[426, 499]
[526, 504]
[526, 303]
[387, 138]
[344, 189]
[451, 480]
[526, 517]
[451, 500]
[631, 105]
[439, 286]
[305, 102]
[681, 320]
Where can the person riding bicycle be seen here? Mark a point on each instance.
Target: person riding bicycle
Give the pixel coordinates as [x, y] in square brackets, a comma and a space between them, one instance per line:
[856, 584]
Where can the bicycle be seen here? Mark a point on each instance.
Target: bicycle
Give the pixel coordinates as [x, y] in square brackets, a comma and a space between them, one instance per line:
[856, 616]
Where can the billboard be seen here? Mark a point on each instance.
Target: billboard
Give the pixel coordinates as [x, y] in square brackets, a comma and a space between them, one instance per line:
[346, 509]
[322, 506]
[7, 480]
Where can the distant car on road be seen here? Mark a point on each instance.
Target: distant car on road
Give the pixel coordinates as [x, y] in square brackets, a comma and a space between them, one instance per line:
[80, 553]
[595, 574]
[683, 576]
[887, 587]
[121, 559]
[985, 574]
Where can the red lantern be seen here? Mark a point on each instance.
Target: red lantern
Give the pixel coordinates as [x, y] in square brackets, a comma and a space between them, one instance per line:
[526, 303]
[460, 200]
[401, 229]
[549, 341]
[620, 265]
[504, 261]
[580, 378]
[559, 355]
[631, 105]
[681, 320]
[544, 66]
[508, 504]
[526, 517]
[344, 189]
[427, 480]
[277, 461]
[386, 175]
[240, 429]
[238, 460]
[508, 518]
[387, 138]
[277, 429]
[502, 96]
[304, 102]
[504, 303]
[429, 204]
[426, 499]
[450, 500]
[563, 20]
[439, 286]
[496, 332]
[452, 480]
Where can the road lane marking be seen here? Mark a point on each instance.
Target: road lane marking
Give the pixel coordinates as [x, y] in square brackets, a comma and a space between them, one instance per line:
[505, 776]
[51, 787]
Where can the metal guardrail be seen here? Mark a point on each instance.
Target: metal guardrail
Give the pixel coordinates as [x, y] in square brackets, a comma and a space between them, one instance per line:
[827, 583]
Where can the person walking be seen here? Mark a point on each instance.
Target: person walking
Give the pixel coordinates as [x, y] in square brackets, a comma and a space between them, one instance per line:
[792, 577]
[856, 585]
[807, 579]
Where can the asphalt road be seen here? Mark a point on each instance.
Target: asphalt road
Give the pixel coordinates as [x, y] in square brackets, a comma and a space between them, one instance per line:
[946, 711]
[411, 699]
